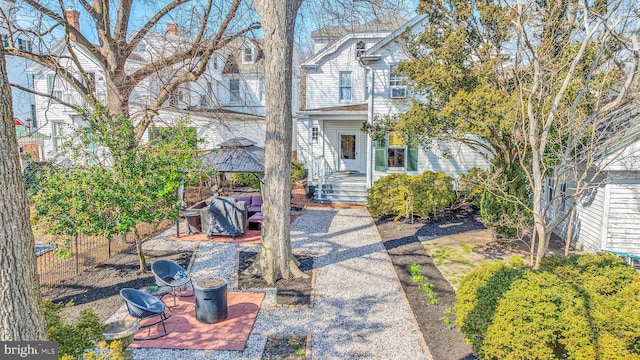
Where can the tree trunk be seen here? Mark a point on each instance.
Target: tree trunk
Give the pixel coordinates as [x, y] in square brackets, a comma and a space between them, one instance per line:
[567, 246]
[532, 246]
[21, 312]
[143, 260]
[275, 259]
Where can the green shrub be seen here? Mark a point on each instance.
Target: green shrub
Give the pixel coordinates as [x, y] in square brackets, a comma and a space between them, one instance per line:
[403, 195]
[253, 181]
[581, 307]
[77, 339]
[297, 173]
[248, 179]
[478, 296]
[432, 192]
[507, 218]
[469, 186]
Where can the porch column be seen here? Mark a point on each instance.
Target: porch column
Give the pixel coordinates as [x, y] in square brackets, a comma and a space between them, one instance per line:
[370, 120]
[310, 153]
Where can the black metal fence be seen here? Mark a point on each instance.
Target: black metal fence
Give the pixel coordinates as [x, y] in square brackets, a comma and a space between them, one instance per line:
[86, 252]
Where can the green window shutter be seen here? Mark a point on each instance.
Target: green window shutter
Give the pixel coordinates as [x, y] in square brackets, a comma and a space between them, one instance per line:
[412, 158]
[380, 156]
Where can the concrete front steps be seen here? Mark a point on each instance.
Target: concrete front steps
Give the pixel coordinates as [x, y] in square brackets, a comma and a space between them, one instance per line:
[342, 188]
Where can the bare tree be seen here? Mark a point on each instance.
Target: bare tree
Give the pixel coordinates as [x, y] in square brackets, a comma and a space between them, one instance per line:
[184, 59]
[22, 310]
[576, 62]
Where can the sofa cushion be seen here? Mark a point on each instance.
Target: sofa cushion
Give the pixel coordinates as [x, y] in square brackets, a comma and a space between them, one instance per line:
[256, 200]
[246, 199]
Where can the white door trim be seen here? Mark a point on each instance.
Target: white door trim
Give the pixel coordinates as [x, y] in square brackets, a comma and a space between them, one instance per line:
[352, 162]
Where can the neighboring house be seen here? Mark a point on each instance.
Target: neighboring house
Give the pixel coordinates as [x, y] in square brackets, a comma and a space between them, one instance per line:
[227, 101]
[23, 101]
[607, 216]
[350, 81]
[30, 142]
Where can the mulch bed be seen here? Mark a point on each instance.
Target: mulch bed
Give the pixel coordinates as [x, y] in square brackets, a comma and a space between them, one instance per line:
[289, 292]
[292, 347]
[99, 287]
[402, 244]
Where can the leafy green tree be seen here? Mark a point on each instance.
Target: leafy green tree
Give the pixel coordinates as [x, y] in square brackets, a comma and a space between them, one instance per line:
[530, 85]
[111, 191]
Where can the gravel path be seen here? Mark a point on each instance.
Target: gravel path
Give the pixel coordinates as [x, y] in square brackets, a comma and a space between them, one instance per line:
[358, 309]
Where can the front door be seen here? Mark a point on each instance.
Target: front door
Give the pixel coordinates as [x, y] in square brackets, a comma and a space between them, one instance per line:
[348, 152]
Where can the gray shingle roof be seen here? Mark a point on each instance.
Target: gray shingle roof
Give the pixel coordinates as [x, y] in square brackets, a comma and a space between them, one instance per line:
[235, 155]
[388, 22]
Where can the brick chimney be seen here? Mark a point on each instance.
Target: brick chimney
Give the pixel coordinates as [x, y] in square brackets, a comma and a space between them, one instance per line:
[73, 18]
[172, 28]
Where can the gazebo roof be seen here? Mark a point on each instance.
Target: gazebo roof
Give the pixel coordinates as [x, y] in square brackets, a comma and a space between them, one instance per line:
[236, 155]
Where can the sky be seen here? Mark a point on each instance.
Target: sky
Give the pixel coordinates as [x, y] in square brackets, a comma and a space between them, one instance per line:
[313, 14]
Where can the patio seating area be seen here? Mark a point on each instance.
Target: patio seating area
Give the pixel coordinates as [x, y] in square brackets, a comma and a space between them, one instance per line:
[186, 332]
[345, 321]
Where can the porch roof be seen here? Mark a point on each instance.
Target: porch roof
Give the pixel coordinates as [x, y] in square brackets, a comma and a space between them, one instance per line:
[355, 109]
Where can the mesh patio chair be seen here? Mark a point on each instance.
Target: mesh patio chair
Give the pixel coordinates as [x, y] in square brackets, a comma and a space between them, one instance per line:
[143, 306]
[169, 273]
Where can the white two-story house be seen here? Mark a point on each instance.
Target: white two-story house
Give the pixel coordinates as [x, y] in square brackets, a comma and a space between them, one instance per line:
[227, 101]
[349, 81]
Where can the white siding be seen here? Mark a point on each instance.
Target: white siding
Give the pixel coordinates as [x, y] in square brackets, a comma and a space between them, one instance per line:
[323, 82]
[383, 104]
[623, 224]
[460, 160]
[303, 141]
[587, 223]
[214, 130]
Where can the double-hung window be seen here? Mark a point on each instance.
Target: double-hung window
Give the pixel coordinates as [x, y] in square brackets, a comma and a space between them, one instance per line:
[176, 98]
[57, 133]
[397, 87]
[25, 45]
[396, 152]
[234, 90]
[54, 86]
[247, 55]
[261, 90]
[345, 86]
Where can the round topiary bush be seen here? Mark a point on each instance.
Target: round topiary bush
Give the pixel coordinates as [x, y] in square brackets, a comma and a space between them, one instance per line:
[404, 195]
[581, 307]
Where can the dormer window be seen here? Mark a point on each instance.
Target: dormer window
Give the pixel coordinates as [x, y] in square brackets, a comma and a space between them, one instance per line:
[141, 47]
[247, 56]
[360, 49]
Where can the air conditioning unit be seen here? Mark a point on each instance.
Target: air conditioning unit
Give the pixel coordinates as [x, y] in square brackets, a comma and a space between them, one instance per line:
[398, 92]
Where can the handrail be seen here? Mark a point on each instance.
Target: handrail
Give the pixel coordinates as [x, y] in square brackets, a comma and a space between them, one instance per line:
[319, 173]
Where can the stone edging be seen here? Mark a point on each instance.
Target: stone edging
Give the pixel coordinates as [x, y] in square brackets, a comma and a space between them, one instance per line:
[413, 319]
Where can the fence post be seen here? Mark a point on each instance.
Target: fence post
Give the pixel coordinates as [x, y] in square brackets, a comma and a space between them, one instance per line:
[77, 256]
